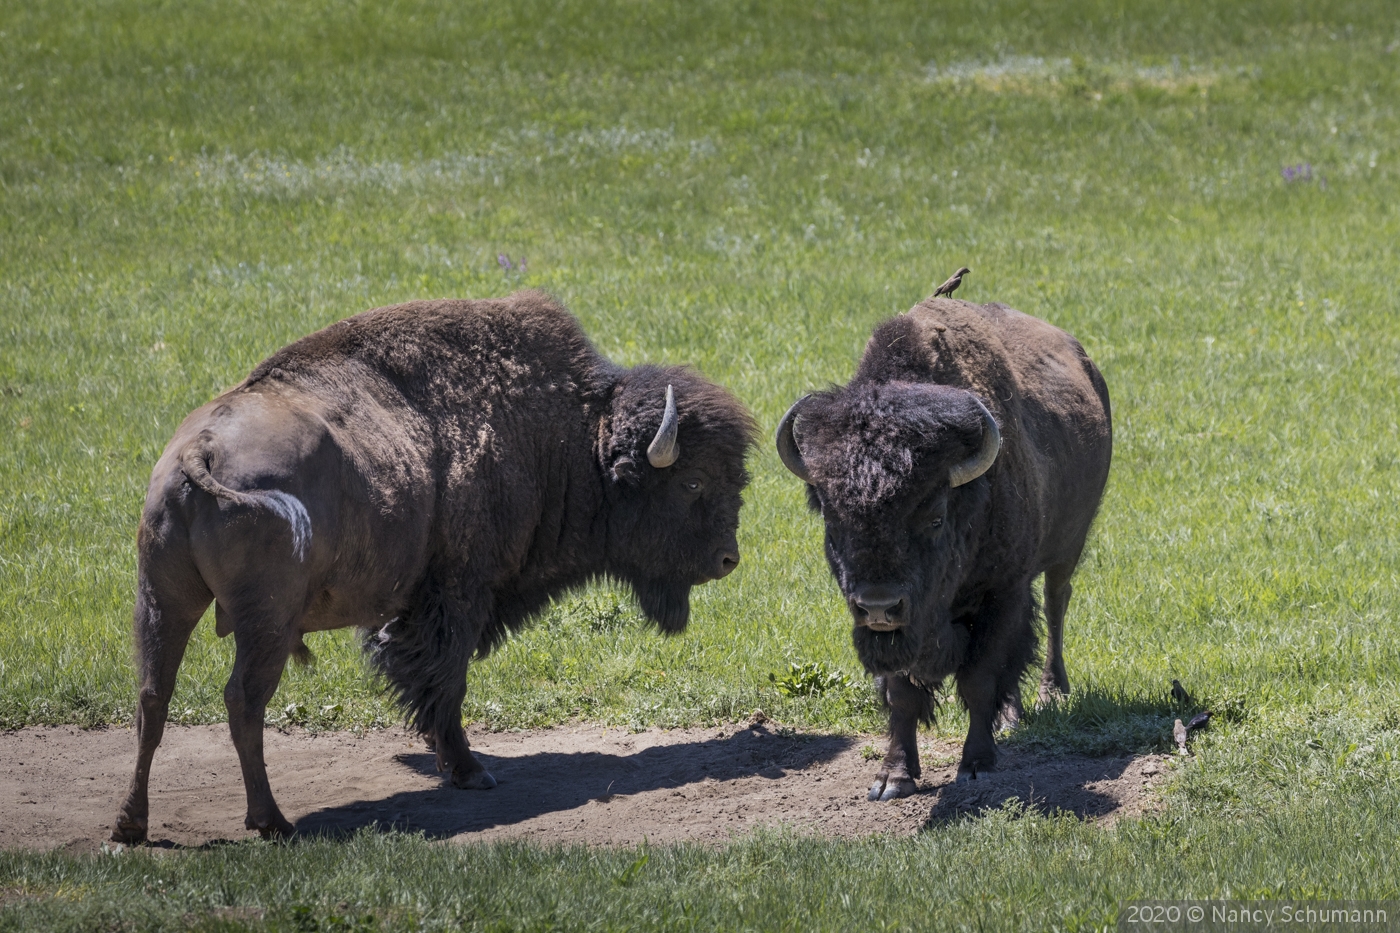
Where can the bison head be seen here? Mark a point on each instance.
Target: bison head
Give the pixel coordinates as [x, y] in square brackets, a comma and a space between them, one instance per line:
[891, 469]
[672, 452]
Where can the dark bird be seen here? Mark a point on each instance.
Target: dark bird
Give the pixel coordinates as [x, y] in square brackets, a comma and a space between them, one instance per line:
[950, 286]
[1179, 733]
[1179, 693]
[1198, 721]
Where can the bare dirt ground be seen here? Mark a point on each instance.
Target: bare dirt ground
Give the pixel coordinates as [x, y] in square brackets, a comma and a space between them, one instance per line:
[581, 784]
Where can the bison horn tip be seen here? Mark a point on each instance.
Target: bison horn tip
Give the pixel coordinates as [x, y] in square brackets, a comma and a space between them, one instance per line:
[788, 450]
[663, 450]
[980, 462]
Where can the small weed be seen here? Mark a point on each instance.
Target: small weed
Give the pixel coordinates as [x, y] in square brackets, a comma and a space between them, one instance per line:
[630, 873]
[810, 679]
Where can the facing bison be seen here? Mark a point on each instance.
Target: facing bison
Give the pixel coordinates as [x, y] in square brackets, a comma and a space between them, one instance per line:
[432, 473]
[967, 456]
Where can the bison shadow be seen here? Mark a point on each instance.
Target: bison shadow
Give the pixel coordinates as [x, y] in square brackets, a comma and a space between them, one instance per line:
[532, 785]
[1041, 783]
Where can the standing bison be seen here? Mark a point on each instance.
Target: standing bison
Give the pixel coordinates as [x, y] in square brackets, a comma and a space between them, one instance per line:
[967, 456]
[433, 473]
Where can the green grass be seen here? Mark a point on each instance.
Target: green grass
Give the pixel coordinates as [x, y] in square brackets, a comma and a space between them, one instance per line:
[749, 188]
[970, 875]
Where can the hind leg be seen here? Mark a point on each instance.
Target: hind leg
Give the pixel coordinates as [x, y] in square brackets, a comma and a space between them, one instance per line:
[262, 655]
[1054, 680]
[168, 606]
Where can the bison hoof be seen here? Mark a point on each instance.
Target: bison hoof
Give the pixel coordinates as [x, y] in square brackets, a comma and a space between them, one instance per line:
[971, 771]
[129, 831]
[891, 788]
[473, 780]
[275, 827]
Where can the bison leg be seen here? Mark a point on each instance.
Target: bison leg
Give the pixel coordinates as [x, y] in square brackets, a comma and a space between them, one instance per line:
[1009, 715]
[425, 658]
[470, 774]
[448, 739]
[262, 654]
[1054, 680]
[1003, 647]
[900, 769]
[167, 611]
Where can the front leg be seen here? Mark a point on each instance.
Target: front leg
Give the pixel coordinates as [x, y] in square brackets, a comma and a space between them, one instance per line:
[978, 693]
[424, 657]
[454, 755]
[900, 769]
[989, 685]
[446, 737]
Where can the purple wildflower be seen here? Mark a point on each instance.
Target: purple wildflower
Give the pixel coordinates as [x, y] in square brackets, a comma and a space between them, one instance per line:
[522, 265]
[1300, 172]
[504, 261]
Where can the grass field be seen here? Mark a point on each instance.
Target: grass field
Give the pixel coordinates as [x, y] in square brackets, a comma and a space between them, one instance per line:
[747, 187]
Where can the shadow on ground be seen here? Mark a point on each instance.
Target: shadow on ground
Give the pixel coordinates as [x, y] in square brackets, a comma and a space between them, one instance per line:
[582, 784]
[1088, 788]
[541, 783]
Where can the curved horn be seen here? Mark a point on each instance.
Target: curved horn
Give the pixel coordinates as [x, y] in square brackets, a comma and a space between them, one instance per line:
[787, 444]
[980, 462]
[663, 450]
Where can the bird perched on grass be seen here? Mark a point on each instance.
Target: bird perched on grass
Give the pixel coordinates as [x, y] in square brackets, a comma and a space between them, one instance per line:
[1179, 733]
[950, 286]
[1179, 693]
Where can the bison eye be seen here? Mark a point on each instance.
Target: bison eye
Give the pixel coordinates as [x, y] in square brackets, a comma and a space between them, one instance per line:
[936, 523]
[693, 485]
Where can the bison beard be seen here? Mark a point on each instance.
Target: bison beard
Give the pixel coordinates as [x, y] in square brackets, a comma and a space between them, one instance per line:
[434, 474]
[666, 604]
[967, 456]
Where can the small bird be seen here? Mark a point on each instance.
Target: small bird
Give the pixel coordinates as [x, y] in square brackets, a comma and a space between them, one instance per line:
[1179, 733]
[1199, 721]
[1179, 693]
[950, 286]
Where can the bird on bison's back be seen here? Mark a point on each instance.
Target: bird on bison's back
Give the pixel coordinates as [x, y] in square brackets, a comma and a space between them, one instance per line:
[950, 286]
[966, 457]
[432, 473]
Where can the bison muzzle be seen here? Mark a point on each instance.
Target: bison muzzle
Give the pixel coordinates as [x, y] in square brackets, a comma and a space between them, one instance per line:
[966, 457]
[432, 473]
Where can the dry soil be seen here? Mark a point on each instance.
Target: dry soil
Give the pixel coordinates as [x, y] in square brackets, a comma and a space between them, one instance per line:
[582, 784]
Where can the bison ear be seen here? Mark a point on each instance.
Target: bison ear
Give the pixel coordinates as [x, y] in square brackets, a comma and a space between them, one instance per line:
[625, 470]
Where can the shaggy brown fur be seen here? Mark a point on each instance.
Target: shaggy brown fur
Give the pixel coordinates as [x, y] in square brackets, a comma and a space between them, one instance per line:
[938, 578]
[432, 473]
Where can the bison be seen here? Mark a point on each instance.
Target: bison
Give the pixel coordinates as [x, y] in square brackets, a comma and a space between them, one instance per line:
[433, 473]
[967, 456]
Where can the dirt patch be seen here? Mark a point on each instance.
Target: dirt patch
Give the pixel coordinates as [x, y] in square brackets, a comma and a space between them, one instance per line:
[583, 784]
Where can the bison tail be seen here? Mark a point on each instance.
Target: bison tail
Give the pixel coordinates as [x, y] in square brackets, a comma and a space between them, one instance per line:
[195, 462]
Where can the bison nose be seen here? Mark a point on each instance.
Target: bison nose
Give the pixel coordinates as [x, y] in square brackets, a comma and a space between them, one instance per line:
[881, 608]
[725, 563]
